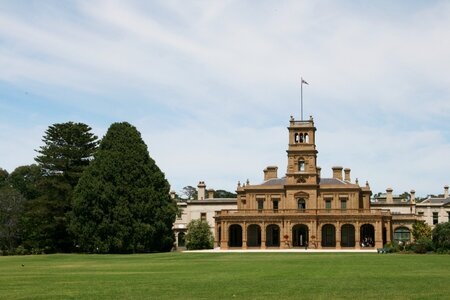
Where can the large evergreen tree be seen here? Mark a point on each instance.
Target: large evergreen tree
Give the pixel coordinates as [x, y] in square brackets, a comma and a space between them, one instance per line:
[11, 210]
[67, 151]
[121, 203]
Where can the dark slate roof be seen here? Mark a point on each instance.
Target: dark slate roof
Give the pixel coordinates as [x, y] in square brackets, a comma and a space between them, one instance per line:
[213, 201]
[275, 181]
[437, 200]
[282, 181]
[331, 181]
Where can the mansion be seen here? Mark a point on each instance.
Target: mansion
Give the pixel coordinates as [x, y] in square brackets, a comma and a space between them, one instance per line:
[304, 209]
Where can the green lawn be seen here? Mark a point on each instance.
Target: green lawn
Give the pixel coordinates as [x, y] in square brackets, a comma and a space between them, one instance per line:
[226, 275]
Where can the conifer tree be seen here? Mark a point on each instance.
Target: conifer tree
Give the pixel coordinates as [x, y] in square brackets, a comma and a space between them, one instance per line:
[121, 203]
[67, 150]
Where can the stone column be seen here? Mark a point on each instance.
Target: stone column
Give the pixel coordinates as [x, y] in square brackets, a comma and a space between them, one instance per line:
[244, 236]
[378, 234]
[216, 236]
[319, 236]
[357, 236]
[338, 235]
[224, 243]
[263, 235]
[388, 232]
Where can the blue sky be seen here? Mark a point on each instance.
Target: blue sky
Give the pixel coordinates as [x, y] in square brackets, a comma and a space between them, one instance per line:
[211, 84]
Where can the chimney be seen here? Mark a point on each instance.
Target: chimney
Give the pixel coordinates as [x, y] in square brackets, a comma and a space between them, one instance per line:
[337, 172]
[201, 190]
[347, 174]
[173, 195]
[446, 191]
[389, 198]
[270, 172]
[210, 193]
[413, 196]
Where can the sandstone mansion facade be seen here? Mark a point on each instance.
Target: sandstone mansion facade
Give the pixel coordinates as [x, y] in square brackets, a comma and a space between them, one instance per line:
[303, 208]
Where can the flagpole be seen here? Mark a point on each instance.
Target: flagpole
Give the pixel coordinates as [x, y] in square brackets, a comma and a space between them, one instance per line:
[301, 98]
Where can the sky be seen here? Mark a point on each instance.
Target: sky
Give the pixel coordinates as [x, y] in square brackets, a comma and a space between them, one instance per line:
[211, 85]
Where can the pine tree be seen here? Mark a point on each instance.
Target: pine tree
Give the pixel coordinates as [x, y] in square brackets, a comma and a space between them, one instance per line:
[67, 151]
[121, 203]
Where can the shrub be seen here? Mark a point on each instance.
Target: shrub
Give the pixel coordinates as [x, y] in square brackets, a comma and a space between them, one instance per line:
[199, 236]
[423, 245]
[393, 246]
[441, 236]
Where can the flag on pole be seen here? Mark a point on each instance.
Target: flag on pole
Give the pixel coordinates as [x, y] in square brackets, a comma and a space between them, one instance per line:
[303, 81]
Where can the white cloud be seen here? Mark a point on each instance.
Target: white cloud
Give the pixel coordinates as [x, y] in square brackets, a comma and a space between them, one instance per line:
[211, 84]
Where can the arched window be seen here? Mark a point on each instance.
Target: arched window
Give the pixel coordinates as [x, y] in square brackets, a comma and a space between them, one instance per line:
[306, 138]
[402, 234]
[301, 137]
[301, 203]
[273, 236]
[301, 165]
[235, 236]
[348, 235]
[296, 138]
[328, 236]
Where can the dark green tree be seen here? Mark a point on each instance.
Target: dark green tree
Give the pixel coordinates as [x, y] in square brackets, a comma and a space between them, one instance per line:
[121, 203]
[25, 179]
[189, 192]
[441, 236]
[224, 194]
[3, 177]
[11, 211]
[199, 235]
[67, 151]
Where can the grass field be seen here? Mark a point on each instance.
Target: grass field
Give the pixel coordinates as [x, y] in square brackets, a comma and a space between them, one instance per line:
[226, 276]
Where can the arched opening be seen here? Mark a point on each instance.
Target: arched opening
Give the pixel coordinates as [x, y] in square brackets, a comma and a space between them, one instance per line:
[328, 236]
[300, 235]
[235, 236]
[367, 235]
[301, 204]
[296, 138]
[181, 239]
[306, 138]
[273, 236]
[301, 137]
[348, 235]
[301, 165]
[402, 234]
[254, 236]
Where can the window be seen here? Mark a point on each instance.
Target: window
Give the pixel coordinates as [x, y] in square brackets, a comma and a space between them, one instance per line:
[448, 216]
[328, 204]
[179, 214]
[343, 204]
[203, 216]
[301, 165]
[420, 213]
[275, 204]
[306, 138]
[301, 203]
[402, 234]
[435, 218]
[260, 204]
